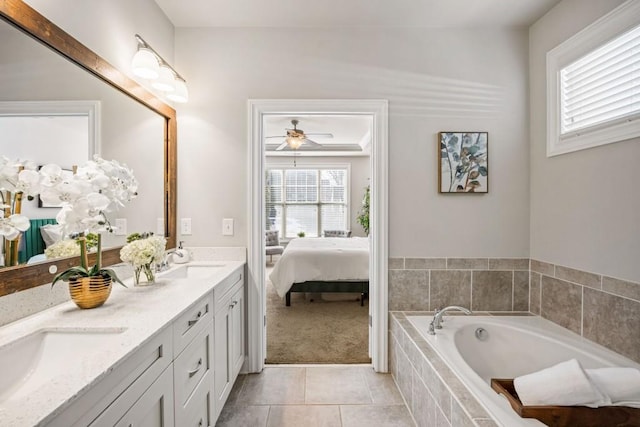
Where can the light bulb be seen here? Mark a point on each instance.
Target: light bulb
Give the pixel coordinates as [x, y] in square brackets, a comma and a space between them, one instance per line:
[145, 64]
[166, 80]
[294, 142]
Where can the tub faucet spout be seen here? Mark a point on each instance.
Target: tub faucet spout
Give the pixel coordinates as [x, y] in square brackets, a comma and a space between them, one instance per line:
[437, 318]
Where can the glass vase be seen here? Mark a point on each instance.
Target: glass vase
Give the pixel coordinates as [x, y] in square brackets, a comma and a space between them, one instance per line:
[149, 275]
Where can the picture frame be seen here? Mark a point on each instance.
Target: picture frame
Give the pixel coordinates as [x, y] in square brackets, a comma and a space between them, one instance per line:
[66, 173]
[463, 165]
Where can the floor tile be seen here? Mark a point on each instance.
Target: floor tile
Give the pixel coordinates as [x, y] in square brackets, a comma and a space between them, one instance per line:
[336, 385]
[274, 386]
[304, 415]
[382, 388]
[233, 398]
[378, 416]
[236, 416]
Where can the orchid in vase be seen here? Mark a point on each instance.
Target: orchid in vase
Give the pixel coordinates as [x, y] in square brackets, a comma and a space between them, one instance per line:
[98, 187]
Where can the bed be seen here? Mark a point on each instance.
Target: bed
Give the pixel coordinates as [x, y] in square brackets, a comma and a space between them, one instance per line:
[324, 264]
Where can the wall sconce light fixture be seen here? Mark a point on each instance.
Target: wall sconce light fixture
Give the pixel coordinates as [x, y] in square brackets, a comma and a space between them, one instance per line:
[148, 64]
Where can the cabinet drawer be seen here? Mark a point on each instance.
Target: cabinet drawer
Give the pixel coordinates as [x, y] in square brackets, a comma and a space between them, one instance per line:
[199, 410]
[193, 364]
[191, 322]
[223, 292]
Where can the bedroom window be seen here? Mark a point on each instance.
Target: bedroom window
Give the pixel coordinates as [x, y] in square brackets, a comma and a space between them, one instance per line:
[307, 200]
[593, 93]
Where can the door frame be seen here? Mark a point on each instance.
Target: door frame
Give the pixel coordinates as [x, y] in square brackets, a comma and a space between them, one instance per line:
[378, 219]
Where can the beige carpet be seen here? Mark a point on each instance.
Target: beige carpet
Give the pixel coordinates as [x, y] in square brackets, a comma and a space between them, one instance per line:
[328, 330]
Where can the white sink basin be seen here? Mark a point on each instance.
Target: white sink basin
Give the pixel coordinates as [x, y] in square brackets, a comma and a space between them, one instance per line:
[192, 271]
[28, 363]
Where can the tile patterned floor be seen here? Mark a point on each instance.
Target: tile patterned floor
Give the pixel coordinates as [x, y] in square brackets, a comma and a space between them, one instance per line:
[315, 396]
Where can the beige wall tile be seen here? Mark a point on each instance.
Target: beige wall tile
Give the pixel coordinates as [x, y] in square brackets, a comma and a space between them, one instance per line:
[534, 292]
[408, 290]
[621, 287]
[450, 287]
[468, 263]
[509, 264]
[492, 290]
[613, 322]
[521, 291]
[561, 302]
[396, 263]
[542, 267]
[423, 406]
[580, 277]
[459, 417]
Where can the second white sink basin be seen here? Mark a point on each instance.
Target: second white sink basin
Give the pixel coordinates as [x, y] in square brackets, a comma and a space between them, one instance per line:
[30, 362]
[192, 271]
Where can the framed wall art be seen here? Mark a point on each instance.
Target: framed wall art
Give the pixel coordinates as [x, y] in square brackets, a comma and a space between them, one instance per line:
[464, 162]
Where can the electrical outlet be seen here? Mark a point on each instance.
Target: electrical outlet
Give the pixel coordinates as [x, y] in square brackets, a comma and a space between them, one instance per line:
[227, 227]
[185, 226]
[160, 227]
[121, 227]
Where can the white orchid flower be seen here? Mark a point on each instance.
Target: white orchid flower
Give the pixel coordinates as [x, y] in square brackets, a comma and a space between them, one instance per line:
[12, 226]
[28, 182]
[8, 173]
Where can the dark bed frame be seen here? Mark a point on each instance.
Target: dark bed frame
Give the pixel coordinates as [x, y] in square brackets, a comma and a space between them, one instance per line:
[345, 286]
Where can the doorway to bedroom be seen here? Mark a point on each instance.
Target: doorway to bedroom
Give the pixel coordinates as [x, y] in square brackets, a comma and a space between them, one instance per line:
[316, 218]
[315, 190]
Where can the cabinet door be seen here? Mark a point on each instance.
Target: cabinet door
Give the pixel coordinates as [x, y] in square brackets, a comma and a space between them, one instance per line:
[221, 366]
[236, 339]
[155, 406]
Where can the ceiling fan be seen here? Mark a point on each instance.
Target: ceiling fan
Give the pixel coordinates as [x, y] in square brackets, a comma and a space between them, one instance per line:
[296, 137]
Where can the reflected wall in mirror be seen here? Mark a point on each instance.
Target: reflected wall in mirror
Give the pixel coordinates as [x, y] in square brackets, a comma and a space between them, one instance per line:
[130, 126]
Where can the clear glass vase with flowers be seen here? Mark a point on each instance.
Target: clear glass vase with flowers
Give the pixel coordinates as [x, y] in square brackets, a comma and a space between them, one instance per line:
[143, 251]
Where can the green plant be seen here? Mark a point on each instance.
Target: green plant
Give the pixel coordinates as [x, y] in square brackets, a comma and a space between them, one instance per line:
[301, 234]
[363, 215]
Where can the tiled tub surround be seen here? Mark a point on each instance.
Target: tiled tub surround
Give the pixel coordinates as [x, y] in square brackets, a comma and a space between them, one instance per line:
[482, 284]
[433, 393]
[600, 308]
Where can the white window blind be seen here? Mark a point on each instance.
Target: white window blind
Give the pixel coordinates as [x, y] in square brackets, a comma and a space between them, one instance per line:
[602, 87]
[307, 200]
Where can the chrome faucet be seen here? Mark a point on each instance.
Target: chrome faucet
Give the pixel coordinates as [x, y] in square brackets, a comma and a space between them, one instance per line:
[437, 318]
[164, 264]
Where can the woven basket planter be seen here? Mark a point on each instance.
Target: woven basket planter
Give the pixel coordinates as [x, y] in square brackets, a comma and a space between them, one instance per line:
[89, 292]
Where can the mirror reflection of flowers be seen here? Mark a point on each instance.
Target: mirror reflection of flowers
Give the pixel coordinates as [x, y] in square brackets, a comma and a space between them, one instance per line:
[143, 251]
[97, 187]
[71, 247]
[17, 179]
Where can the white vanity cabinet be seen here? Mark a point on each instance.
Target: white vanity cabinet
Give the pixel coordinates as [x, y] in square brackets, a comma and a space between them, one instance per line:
[229, 337]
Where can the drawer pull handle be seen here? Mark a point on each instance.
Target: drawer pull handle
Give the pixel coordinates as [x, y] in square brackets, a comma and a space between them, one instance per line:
[201, 423]
[195, 371]
[233, 304]
[194, 321]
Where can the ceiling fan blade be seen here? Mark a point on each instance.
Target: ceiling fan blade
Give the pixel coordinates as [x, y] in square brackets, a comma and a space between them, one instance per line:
[275, 136]
[282, 146]
[321, 135]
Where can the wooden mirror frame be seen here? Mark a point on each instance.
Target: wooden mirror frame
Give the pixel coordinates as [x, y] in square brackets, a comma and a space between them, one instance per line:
[25, 18]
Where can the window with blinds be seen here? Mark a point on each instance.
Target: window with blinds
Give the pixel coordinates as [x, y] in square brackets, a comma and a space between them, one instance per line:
[593, 84]
[602, 87]
[306, 200]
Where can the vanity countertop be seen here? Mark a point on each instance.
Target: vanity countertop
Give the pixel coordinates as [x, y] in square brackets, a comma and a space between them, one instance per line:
[139, 311]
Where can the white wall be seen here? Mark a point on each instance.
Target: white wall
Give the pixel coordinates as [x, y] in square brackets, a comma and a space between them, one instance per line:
[360, 173]
[435, 80]
[584, 205]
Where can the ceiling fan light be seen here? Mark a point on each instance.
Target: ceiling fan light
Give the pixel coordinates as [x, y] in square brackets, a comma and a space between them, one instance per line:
[294, 142]
[181, 93]
[145, 64]
[166, 80]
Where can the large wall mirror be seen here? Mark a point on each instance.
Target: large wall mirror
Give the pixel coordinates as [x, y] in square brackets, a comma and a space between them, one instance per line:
[47, 80]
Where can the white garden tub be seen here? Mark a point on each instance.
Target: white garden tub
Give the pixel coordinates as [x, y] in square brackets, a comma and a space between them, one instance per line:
[509, 346]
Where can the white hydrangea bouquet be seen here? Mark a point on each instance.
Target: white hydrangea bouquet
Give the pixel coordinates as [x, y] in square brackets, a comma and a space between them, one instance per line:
[143, 251]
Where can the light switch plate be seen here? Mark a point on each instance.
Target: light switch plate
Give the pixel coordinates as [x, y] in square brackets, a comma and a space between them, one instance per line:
[121, 227]
[185, 226]
[227, 227]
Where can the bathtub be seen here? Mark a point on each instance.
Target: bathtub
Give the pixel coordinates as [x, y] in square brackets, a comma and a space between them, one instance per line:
[507, 347]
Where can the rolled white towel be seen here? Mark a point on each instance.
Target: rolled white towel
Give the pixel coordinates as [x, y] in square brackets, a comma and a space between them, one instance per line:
[621, 385]
[564, 384]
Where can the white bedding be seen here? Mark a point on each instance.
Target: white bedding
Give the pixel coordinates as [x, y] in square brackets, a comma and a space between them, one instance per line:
[321, 259]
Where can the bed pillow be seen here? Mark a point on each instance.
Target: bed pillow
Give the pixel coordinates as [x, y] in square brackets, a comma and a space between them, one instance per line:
[51, 233]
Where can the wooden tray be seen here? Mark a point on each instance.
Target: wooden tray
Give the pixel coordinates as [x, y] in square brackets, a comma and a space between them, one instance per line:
[569, 416]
